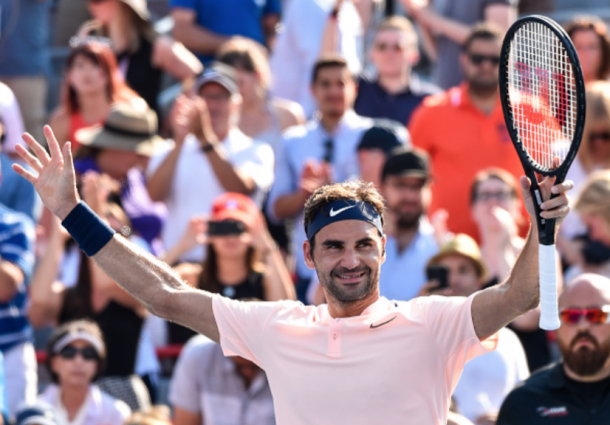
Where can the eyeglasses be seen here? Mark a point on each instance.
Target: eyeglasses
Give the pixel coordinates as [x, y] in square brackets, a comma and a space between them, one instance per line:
[87, 353]
[479, 59]
[395, 47]
[497, 196]
[218, 97]
[604, 136]
[595, 316]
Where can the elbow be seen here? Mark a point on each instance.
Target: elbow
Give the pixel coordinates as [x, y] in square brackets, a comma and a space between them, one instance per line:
[154, 193]
[37, 315]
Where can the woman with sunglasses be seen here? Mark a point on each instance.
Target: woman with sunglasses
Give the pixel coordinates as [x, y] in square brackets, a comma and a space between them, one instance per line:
[242, 261]
[76, 355]
[143, 55]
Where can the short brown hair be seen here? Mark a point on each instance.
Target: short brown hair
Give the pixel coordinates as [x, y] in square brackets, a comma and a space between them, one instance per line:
[402, 24]
[246, 55]
[355, 190]
[75, 326]
[494, 173]
[482, 31]
[595, 24]
[328, 61]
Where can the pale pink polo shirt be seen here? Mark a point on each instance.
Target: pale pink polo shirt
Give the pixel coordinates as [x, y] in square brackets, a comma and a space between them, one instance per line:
[396, 363]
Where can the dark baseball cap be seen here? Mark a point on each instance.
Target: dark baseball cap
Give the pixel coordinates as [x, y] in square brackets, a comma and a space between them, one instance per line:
[405, 161]
[218, 73]
[384, 135]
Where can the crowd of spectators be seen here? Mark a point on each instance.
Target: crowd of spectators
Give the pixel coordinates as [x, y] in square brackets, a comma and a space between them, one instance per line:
[202, 144]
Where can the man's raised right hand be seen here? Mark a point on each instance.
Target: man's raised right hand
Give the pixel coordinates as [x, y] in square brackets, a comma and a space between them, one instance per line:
[53, 177]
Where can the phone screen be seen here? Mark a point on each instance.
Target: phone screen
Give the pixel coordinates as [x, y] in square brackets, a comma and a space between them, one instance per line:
[226, 227]
[440, 274]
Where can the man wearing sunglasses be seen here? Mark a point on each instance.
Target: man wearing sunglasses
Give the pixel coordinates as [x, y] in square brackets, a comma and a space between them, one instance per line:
[575, 390]
[463, 130]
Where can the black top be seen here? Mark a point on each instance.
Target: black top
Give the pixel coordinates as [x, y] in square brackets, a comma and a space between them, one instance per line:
[373, 101]
[549, 396]
[142, 76]
[121, 328]
[251, 287]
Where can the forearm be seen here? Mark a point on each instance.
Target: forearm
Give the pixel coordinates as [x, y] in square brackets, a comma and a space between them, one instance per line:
[230, 179]
[287, 206]
[278, 284]
[40, 288]
[330, 37]
[197, 38]
[449, 28]
[11, 278]
[160, 182]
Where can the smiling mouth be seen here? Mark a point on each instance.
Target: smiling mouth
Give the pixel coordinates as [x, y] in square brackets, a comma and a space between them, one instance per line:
[351, 278]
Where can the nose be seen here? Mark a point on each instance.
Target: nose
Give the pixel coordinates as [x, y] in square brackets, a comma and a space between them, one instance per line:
[350, 259]
[583, 324]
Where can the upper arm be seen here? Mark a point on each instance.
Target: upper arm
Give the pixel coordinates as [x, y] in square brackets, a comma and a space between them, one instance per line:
[43, 315]
[175, 59]
[184, 417]
[501, 14]
[185, 386]
[183, 16]
[289, 113]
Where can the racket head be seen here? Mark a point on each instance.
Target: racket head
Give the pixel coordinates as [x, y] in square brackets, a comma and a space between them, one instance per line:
[542, 93]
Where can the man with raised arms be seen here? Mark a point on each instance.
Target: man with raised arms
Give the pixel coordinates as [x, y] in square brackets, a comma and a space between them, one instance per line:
[359, 360]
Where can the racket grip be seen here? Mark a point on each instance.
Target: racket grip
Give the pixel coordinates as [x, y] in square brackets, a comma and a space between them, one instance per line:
[549, 312]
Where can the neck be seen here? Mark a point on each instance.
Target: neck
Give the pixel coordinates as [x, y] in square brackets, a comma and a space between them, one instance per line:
[484, 100]
[72, 398]
[255, 104]
[231, 270]
[404, 237]
[338, 310]
[394, 83]
[120, 34]
[602, 374]
[94, 103]
[330, 122]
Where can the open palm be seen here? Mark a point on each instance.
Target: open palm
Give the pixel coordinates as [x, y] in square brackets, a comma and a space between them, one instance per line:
[53, 177]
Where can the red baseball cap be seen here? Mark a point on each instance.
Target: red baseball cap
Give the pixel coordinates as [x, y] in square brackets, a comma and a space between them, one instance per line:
[234, 206]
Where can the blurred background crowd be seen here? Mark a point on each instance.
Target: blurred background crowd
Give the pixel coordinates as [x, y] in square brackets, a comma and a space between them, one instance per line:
[200, 127]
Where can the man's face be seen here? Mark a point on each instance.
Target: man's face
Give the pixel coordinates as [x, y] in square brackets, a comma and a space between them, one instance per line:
[221, 105]
[334, 91]
[347, 256]
[407, 199]
[585, 346]
[480, 64]
[463, 277]
[393, 52]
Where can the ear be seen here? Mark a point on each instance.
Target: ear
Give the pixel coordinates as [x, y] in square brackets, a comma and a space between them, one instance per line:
[383, 252]
[307, 254]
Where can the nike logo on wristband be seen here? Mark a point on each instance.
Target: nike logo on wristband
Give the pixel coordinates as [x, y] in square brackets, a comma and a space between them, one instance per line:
[384, 323]
[333, 213]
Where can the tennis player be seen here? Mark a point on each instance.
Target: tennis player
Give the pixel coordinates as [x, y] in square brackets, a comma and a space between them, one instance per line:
[361, 359]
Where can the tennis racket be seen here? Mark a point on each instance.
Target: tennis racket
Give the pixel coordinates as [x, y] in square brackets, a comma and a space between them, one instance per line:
[543, 99]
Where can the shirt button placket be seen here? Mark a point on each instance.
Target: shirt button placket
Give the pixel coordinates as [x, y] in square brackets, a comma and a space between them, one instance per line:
[334, 338]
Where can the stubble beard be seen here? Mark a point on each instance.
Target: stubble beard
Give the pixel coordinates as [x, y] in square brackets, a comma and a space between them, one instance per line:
[343, 297]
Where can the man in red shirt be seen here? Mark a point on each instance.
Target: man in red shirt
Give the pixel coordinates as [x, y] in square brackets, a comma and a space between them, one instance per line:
[463, 130]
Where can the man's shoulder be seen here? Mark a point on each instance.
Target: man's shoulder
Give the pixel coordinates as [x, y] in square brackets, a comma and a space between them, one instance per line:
[542, 379]
[445, 99]
[198, 345]
[10, 219]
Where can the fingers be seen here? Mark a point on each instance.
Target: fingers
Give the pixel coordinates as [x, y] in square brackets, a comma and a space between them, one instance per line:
[25, 174]
[563, 187]
[68, 162]
[525, 185]
[38, 150]
[29, 158]
[52, 142]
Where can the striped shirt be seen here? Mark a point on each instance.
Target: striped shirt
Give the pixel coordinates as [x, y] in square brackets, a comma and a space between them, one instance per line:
[16, 246]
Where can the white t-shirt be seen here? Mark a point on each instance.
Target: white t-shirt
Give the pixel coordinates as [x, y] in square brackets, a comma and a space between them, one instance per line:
[195, 186]
[572, 225]
[11, 117]
[487, 379]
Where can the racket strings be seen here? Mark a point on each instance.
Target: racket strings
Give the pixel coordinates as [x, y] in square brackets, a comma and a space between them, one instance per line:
[542, 94]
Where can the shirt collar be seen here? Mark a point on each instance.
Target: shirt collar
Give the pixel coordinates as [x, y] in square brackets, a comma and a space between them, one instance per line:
[459, 97]
[378, 307]
[348, 120]
[557, 376]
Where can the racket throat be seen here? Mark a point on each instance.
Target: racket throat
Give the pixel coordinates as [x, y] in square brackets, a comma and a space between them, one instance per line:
[546, 227]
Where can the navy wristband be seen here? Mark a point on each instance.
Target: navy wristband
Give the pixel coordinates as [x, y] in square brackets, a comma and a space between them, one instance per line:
[87, 229]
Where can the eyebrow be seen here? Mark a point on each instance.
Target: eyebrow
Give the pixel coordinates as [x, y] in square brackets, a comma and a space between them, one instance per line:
[336, 242]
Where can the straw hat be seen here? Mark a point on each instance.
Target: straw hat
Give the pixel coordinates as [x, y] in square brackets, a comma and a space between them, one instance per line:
[138, 6]
[465, 246]
[126, 128]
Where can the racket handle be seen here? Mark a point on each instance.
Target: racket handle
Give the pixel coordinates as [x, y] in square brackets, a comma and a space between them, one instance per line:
[549, 312]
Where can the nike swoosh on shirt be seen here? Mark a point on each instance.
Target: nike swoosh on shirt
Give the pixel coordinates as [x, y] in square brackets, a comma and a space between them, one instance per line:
[384, 323]
[333, 213]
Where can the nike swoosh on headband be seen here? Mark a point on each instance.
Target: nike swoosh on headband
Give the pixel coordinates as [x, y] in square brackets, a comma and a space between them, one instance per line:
[333, 213]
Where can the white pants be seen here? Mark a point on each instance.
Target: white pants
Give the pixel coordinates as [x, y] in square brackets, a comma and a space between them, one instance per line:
[21, 375]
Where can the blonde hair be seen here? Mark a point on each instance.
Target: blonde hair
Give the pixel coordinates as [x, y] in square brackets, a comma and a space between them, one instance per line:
[247, 55]
[402, 24]
[598, 109]
[595, 196]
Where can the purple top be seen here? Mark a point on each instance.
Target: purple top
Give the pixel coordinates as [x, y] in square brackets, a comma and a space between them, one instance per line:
[147, 217]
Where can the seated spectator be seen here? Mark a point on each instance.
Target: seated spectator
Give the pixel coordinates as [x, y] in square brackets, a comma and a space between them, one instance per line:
[76, 355]
[262, 117]
[463, 130]
[36, 414]
[156, 415]
[121, 149]
[208, 386]
[395, 92]
[242, 260]
[576, 390]
[91, 86]
[298, 47]
[487, 379]
[445, 28]
[496, 209]
[142, 54]
[67, 286]
[209, 149]
[593, 154]
[317, 153]
[203, 25]
[590, 37]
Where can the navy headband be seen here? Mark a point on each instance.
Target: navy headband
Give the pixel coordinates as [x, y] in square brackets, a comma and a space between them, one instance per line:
[344, 210]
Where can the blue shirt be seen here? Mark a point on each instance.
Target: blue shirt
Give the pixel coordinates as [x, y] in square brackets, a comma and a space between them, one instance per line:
[16, 246]
[24, 34]
[305, 142]
[230, 17]
[16, 192]
[404, 273]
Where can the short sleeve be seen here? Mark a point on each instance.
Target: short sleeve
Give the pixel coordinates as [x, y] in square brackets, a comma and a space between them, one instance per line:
[156, 160]
[258, 164]
[242, 325]
[272, 7]
[185, 389]
[187, 4]
[17, 246]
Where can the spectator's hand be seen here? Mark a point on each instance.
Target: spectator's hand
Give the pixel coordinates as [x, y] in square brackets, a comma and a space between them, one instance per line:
[413, 7]
[487, 419]
[439, 224]
[314, 176]
[195, 233]
[88, 27]
[262, 240]
[432, 288]
[52, 176]
[202, 124]
[181, 116]
[94, 193]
